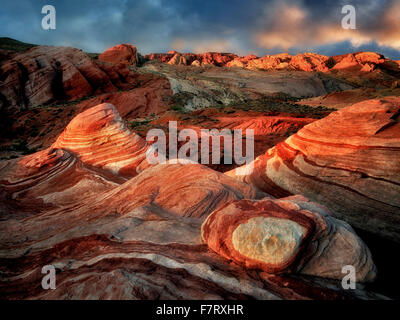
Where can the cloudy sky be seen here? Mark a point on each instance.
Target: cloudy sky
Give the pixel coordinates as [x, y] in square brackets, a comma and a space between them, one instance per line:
[243, 27]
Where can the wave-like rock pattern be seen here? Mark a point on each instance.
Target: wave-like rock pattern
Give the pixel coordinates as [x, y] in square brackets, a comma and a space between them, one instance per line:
[141, 240]
[47, 74]
[71, 206]
[99, 137]
[348, 161]
[287, 235]
[48, 179]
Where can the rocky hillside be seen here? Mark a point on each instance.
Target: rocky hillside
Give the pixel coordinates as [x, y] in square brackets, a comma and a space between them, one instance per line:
[77, 191]
[157, 235]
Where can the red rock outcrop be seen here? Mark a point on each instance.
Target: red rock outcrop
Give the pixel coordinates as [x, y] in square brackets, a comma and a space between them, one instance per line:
[287, 235]
[48, 179]
[241, 62]
[364, 62]
[178, 59]
[72, 207]
[99, 138]
[150, 98]
[162, 57]
[348, 161]
[301, 62]
[216, 59]
[139, 240]
[121, 54]
[342, 99]
[205, 59]
[46, 74]
[196, 63]
[268, 130]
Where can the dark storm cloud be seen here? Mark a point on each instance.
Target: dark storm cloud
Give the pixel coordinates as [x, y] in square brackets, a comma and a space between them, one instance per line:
[252, 26]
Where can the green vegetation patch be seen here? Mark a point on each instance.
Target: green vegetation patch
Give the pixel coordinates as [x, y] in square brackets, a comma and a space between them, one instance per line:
[14, 45]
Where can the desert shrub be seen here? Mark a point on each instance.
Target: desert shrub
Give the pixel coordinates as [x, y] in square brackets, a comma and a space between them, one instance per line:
[177, 108]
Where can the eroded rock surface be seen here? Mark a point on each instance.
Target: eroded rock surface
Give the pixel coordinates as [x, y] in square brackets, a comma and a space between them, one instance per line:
[287, 235]
[121, 54]
[110, 237]
[348, 161]
[99, 138]
[47, 74]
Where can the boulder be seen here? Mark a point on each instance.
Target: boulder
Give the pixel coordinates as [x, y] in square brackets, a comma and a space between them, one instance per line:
[289, 235]
[196, 63]
[99, 137]
[121, 54]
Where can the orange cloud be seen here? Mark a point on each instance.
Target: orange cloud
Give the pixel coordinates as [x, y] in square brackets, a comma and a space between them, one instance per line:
[291, 26]
[200, 46]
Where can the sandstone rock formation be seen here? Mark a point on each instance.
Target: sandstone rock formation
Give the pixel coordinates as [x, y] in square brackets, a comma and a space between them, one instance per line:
[208, 58]
[178, 59]
[267, 130]
[363, 61]
[301, 62]
[47, 179]
[116, 227]
[109, 237]
[47, 74]
[99, 138]
[359, 70]
[196, 63]
[287, 235]
[150, 98]
[214, 86]
[121, 54]
[348, 161]
[241, 62]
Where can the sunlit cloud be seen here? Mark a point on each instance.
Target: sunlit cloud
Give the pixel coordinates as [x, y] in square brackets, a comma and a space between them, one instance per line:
[290, 25]
[204, 45]
[242, 27]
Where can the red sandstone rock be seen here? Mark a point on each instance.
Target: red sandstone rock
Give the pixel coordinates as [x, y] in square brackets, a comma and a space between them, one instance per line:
[162, 57]
[287, 235]
[99, 137]
[208, 58]
[364, 62]
[50, 178]
[150, 98]
[217, 59]
[120, 54]
[47, 74]
[178, 59]
[342, 99]
[301, 62]
[111, 238]
[310, 62]
[348, 161]
[241, 62]
[136, 240]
